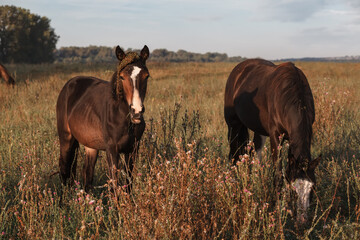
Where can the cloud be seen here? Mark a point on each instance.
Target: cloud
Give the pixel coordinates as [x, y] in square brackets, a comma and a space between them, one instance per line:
[290, 10]
[335, 36]
[323, 41]
[355, 7]
[354, 3]
[204, 18]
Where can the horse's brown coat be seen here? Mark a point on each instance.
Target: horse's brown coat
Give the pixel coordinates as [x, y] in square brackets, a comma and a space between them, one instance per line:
[99, 115]
[6, 76]
[275, 101]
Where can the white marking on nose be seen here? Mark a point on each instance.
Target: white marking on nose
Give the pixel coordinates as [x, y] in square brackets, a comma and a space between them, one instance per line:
[136, 100]
[303, 189]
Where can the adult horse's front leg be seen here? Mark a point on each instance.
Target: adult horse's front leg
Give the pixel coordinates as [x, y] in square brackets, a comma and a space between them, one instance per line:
[278, 180]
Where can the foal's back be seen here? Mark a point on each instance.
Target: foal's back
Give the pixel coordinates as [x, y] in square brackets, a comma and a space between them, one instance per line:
[81, 111]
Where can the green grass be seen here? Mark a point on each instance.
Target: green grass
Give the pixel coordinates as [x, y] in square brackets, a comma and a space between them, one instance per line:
[184, 186]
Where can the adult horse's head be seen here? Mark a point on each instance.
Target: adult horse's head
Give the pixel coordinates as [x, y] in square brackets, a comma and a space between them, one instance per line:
[130, 81]
[300, 173]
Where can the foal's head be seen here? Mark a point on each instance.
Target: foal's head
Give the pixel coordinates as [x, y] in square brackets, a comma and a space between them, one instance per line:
[131, 81]
[300, 173]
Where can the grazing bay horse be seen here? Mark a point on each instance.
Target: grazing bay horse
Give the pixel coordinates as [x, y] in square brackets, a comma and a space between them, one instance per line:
[6, 76]
[275, 101]
[105, 116]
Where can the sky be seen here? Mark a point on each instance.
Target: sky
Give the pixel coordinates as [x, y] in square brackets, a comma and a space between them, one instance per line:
[270, 29]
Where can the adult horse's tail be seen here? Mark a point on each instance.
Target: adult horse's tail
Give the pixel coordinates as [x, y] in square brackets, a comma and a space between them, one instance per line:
[6, 76]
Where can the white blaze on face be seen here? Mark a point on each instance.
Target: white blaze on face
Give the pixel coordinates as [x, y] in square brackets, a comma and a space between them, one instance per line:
[303, 189]
[136, 100]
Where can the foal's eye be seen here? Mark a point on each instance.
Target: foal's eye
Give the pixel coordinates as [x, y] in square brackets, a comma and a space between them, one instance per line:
[121, 78]
[146, 78]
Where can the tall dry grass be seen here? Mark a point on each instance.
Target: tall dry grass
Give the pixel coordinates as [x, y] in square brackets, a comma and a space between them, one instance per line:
[184, 187]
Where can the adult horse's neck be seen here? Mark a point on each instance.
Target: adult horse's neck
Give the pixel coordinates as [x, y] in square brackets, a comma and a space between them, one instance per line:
[297, 106]
[300, 132]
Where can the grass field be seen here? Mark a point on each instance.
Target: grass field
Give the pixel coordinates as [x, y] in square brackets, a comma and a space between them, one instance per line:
[184, 187]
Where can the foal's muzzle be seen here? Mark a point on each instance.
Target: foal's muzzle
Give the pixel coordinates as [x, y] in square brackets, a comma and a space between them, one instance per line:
[136, 116]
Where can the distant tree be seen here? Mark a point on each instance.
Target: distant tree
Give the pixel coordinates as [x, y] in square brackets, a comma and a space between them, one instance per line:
[25, 37]
[236, 59]
[106, 54]
[159, 53]
[85, 54]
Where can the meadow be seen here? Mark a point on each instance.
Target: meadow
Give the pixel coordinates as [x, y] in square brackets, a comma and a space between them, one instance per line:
[184, 186]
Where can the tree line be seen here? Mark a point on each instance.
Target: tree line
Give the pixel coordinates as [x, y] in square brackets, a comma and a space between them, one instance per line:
[106, 54]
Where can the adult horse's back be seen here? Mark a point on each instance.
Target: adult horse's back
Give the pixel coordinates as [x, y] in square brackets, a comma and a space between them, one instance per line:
[103, 115]
[275, 101]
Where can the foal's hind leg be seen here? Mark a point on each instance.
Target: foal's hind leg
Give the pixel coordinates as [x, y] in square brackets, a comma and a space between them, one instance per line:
[89, 165]
[67, 160]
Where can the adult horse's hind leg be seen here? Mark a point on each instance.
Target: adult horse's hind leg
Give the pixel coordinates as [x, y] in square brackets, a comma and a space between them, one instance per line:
[259, 142]
[89, 166]
[67, 160]
[238, 137]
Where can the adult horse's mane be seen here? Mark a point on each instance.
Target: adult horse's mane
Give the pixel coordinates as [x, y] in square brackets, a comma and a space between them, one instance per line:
[296, 93]
[116, 84]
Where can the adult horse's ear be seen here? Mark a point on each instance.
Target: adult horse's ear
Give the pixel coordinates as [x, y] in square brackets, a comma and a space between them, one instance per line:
[314, 163]
[119, 53]
[144, 54]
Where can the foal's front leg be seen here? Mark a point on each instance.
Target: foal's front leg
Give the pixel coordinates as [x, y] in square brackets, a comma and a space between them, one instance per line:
[89, 166]
[112, 156]
[130, 159]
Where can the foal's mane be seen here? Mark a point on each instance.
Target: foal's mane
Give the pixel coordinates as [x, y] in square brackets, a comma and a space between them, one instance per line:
[116, 82]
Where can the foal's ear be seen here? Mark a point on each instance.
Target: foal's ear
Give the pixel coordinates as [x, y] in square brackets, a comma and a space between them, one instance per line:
[119, 53]
[144, 54]
[314, 163]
